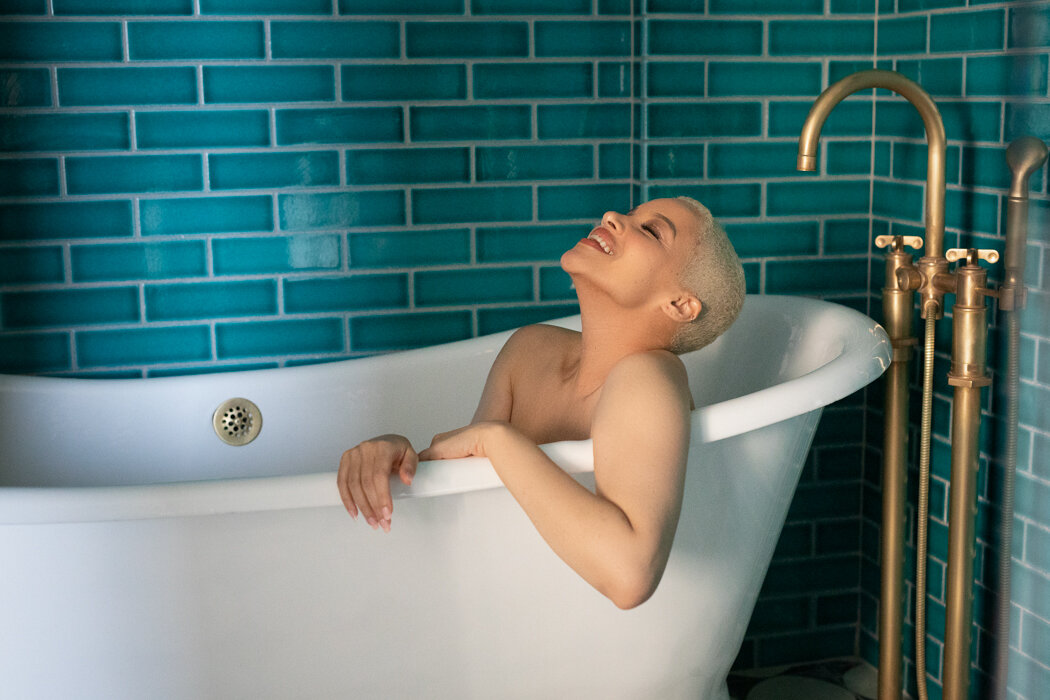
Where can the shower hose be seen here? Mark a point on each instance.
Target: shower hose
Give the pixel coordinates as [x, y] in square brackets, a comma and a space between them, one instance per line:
[1002, 653]
[922, 518]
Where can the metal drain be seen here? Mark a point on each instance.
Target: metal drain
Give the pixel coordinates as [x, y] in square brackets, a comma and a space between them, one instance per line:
[237, 421]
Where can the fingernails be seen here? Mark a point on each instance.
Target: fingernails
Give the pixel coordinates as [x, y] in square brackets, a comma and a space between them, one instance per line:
[372, 523]
[386, 512]
[385, 524]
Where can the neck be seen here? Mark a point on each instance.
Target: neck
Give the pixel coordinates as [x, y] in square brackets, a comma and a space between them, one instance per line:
[609, 334]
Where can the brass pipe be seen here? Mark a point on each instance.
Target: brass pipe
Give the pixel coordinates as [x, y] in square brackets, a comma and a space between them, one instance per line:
[894, 482]
[902, 279]
[968, 376]
[935, 139]
[898, 299]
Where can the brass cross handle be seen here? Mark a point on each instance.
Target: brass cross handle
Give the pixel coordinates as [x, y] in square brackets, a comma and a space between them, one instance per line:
[898, 242]
[972, 255]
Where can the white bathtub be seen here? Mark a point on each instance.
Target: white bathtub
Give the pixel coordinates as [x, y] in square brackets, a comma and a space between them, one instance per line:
[140, 557]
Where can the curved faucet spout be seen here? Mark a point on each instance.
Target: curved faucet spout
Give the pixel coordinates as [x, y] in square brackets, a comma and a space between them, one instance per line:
[935, 140]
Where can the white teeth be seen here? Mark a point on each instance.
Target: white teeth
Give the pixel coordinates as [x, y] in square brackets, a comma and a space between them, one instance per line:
[601, 242]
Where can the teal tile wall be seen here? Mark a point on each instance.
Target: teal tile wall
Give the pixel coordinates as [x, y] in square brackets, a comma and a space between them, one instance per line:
[194, 186]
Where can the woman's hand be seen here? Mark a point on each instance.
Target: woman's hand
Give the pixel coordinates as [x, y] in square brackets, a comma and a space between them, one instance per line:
[364, 477]
[468, 441]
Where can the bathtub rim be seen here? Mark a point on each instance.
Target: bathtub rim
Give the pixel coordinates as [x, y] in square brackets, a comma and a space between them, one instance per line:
[863, 356]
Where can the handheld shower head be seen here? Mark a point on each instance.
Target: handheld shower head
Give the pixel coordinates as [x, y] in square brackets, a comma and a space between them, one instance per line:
[1024, 156]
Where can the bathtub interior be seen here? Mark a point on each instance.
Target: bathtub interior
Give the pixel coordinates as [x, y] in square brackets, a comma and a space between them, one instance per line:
[763, 348]
[60, 432]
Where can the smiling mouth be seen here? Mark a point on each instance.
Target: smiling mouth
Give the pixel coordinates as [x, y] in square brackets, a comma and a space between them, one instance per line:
[602, 243]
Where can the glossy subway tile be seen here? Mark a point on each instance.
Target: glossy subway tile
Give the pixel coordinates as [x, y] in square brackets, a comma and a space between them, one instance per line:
[60, 41]
[152, 345]
[126, 85]
[335, 39]
[274, 83]
[534, 163]
[204, 129]
[122, 7]
[153, 41]
[188, 301]
[29, 177]
[427, 246]
[410, 82]
[511, 80]
[31, 265]
[65, 220]
[339, 125]
[187, 215]
[409, 330]
[279, 338]
[466, 39]
[64, 132]
[401, 7]
[454, 287]
[138, 261]
[276, 254]
[137, 173]
[407, 165]
[346, 293]
[25, 87]
[273, 170]
[582, 38]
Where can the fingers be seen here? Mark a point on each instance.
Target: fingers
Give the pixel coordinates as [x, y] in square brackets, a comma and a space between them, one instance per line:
[409, 463]
[342, 480]
[377, 488]
[434, 451]
[364, 477]
[455, 443]
[373, 468]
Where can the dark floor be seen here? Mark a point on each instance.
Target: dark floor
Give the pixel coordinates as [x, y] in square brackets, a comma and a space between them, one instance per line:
[835, 679]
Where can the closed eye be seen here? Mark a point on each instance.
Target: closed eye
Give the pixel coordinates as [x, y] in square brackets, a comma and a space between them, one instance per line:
[651, 230]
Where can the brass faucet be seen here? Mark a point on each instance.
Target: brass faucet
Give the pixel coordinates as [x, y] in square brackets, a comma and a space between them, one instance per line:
[933, 263]
[931, 279]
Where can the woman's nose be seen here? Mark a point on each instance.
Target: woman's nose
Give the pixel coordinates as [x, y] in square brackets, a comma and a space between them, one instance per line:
[612, 221]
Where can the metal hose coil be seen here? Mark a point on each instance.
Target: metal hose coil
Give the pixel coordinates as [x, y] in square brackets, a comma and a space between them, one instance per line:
[923, 515]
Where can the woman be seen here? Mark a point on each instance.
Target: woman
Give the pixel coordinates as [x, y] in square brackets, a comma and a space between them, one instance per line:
[653, 283]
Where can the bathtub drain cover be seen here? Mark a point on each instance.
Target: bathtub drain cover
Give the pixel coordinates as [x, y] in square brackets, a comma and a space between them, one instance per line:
[237, 421]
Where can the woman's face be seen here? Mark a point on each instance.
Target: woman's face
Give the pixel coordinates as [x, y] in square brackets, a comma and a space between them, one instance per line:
[636, 257]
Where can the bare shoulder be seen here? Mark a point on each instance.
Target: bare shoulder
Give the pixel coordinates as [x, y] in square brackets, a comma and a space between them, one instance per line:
[647, 382]
[527, 341]
[661, 367]
[541, 333]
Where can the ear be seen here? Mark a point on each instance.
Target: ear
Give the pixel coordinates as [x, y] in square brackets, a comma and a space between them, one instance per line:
[683, 308]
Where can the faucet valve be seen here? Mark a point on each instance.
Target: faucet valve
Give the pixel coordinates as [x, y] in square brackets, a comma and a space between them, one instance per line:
[898, 242]
[908, 278]
[972, 255]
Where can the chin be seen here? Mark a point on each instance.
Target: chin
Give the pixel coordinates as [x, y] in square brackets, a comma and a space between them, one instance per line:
[570, 260]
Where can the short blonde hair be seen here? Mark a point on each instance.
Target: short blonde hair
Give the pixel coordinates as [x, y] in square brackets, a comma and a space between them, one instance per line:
[712, 273]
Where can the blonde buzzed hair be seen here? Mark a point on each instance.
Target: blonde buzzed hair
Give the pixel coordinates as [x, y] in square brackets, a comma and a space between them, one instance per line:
[712, 273]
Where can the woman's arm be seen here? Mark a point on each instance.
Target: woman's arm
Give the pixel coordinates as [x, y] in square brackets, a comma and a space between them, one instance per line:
[364, 472]
[619, 538]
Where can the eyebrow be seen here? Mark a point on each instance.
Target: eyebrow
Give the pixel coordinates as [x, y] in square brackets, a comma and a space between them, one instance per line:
[674, 231]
